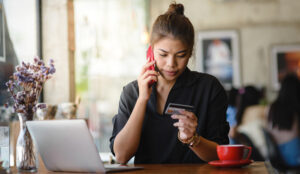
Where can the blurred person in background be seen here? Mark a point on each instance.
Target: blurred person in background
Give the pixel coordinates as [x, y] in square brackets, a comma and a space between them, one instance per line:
[231, 110]
[248, 96]
[250, 117]
[284, 120]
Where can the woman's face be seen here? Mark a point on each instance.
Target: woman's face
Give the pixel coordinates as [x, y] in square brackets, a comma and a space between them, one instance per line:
[171, 57]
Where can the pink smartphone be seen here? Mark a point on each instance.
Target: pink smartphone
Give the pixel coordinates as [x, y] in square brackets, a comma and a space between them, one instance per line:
[150, 57]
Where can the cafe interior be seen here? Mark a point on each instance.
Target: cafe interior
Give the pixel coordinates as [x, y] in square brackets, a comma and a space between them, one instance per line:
[99, 46]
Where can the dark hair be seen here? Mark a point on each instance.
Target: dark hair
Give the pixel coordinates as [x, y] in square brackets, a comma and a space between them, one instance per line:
[175, 24]
[289, 91]
[232, 96]
[248, 96]
[287, 105]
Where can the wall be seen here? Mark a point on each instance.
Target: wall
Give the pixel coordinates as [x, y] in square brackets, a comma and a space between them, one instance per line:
[259, 23]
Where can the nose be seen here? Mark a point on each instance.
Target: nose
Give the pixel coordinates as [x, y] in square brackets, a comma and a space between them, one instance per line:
[171, 62]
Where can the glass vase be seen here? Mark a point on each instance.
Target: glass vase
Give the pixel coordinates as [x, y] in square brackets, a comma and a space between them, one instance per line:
[26, 153]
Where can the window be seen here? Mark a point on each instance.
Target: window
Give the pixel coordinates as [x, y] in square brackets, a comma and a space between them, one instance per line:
[19, 30]
[19, 42]
[110, 50]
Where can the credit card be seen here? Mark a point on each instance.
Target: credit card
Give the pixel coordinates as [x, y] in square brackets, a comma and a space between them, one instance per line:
[174, 108]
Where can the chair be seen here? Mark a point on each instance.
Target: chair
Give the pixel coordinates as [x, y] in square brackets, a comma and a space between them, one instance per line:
[244, 139]
[274, 155]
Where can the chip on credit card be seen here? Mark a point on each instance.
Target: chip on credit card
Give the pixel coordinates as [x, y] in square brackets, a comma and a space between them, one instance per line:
[174, 108]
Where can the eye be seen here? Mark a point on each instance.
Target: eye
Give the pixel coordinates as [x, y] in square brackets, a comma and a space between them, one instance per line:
[181, 55]
[163, 55]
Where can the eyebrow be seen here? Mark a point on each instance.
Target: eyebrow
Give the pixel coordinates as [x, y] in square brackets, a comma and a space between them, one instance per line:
[175, 53]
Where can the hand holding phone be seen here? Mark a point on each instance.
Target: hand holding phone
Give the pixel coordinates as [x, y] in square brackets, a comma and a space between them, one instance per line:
[150, 58]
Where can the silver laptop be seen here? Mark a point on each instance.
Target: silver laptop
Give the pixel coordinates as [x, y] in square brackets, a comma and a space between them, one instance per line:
[67, 145]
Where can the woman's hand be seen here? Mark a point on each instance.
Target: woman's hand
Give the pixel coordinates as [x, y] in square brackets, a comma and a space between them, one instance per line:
[144, 79]
[187, 124]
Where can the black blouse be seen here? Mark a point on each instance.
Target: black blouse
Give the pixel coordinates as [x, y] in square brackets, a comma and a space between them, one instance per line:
[159, 142]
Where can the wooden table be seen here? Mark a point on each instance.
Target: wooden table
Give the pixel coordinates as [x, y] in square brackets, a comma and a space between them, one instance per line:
[256, 167]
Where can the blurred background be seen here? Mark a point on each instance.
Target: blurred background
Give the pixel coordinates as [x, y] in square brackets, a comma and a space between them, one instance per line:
[100, 45]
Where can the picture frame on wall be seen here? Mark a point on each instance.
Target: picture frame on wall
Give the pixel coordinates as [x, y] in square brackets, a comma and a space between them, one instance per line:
[284, 59]
[217, 53]
[2, 33]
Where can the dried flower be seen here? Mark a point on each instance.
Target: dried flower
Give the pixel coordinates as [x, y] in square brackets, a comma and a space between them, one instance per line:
[26, 84]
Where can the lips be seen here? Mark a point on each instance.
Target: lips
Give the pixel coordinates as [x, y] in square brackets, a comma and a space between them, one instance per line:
[170, 73]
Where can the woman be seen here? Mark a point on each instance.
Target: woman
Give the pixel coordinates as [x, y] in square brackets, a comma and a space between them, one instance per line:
[247, 97]
[250, 117]
[141, 127]
[284, 120]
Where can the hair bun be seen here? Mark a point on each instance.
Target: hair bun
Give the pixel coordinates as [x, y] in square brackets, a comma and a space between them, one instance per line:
[175, 9]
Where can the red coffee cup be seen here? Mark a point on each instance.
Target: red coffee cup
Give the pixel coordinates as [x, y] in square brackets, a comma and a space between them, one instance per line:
[233, 152]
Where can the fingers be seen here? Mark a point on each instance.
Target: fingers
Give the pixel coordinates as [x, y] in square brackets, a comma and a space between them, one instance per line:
[188, 114]
[184, 122]
[149, 73]
[185, 133]
[146, 78]
[151, 78]
[147, 66]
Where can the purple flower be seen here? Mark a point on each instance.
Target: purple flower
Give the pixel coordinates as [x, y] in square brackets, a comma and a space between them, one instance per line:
[52, 70]
[36, 59]
[25, 85]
